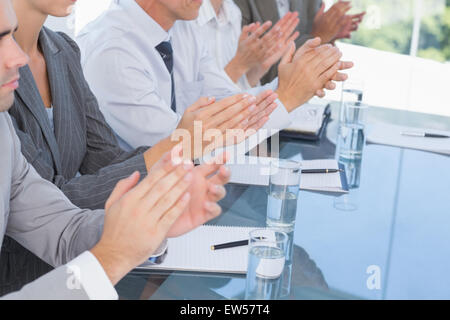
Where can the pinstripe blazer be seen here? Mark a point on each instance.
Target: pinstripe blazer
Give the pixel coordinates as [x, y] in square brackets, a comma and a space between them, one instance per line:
[82, 142]
[264, 10]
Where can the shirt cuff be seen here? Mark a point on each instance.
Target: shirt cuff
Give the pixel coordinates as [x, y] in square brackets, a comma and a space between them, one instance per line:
[244, 84]
[279, 119]
[92, 277]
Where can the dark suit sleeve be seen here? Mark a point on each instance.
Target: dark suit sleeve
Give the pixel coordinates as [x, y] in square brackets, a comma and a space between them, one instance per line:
[247, 16]
[104, 164]
[305, 35]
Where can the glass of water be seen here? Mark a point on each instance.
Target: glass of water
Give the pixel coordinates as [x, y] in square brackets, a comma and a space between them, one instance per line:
[266, 261]
[283, 193]
[352, 91]
[351, 136]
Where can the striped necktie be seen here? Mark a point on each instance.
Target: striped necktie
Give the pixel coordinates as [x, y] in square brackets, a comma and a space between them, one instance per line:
[166, 52]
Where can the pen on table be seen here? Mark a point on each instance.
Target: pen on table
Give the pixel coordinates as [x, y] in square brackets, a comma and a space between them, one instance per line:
[424, 134]
[321, 170]
[231, 244]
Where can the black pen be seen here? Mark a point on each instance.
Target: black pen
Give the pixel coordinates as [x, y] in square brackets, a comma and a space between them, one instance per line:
[424, 134]
[321, 170]
[231, 244]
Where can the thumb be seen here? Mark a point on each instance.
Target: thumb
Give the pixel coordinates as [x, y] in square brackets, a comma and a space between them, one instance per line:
[121, 188]
[289, 54]
[307, 46]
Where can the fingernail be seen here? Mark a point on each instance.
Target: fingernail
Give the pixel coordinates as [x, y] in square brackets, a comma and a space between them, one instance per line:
[188, 177]
[176, 161]
[186, 197]
[132, 175]
[215, 189]
[226, 170]
[251, 99]
[252, 108]
[209, 206]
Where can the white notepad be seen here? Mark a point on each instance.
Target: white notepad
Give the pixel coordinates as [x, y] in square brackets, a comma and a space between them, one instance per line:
[308, 118]
[254, 172]
[192, 251]
[387, 134]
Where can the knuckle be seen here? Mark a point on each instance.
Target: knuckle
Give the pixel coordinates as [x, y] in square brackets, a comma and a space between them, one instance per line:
[167, 222]
[165, 201]
[164, 184]
[125, 202]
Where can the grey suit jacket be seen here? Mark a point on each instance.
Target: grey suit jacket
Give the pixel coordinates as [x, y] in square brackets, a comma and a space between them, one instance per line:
[265, 10]
[82, 142]
[39, 217]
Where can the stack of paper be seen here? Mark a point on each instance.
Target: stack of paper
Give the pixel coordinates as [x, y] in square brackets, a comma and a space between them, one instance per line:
[256, 171]
[391, 135]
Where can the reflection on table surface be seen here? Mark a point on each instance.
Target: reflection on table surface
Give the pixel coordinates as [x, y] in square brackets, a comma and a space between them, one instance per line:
[389, 238]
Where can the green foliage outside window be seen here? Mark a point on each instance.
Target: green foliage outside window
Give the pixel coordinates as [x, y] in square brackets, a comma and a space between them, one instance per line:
[390, 27]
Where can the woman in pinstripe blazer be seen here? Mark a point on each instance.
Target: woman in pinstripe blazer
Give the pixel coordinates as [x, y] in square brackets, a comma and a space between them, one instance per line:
[65, 137]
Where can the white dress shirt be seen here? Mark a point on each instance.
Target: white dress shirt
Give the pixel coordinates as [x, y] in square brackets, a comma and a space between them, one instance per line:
[221, 32]
[283, 7]
[89, 273]
[132, 83]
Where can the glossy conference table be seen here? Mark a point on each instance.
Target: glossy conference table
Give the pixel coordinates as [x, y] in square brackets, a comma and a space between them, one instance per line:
[394, 243]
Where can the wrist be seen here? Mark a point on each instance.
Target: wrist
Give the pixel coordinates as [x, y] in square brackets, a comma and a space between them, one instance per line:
[324, 38]
[253, 76]
[236, 69]
[114, 265]
[152, 155]
[286, 99]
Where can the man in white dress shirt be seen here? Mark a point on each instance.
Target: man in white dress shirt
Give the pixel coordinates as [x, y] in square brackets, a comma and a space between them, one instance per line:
[244, 53]
[91, 250]
[134, 85]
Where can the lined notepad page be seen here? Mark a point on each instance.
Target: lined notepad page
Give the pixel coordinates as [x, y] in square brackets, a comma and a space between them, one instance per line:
[258, 174]
[192, 251]
[321, 181]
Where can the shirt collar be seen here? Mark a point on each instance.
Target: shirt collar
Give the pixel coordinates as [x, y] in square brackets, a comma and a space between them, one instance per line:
[207, 12]
[145, 22]
[47, 43]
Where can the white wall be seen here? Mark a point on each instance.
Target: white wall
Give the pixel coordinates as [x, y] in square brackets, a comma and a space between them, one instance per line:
[61, 24]
[84, 12]
[88, 10]
[399, 81]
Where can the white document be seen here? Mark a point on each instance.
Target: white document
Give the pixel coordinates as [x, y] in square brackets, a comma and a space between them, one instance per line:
[388, 134]
[192, 251]
[256, 171]
[308, 118]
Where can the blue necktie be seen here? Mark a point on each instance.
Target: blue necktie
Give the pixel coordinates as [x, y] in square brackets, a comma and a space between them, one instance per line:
[166, 52]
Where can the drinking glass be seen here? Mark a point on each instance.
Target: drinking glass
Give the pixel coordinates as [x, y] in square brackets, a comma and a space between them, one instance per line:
[284, 187]
[351, 135]
[266, 260]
